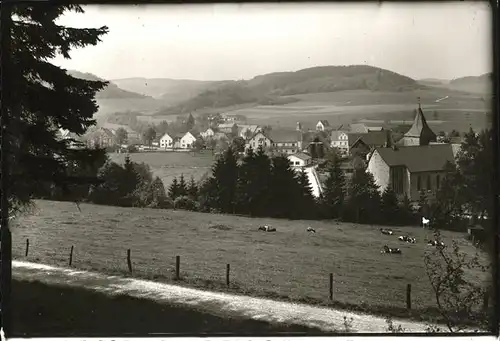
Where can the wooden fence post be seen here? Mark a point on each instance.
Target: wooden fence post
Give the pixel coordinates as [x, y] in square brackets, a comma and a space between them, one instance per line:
[71, 256]
[27, 247]
[227, 275]
[129, 261]
[331, 287]
[177, 267]
[408, 296]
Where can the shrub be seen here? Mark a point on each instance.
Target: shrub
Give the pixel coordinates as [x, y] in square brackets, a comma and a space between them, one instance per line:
[185, 203]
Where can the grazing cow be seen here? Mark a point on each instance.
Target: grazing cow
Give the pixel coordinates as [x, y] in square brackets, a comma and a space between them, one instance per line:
[407, 239]
[425, 222]
[435, 243]
[389, 250]
[386, 231]
[310, 229]
[267, 228]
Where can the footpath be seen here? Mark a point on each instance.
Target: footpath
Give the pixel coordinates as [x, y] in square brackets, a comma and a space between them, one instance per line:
[268, 310]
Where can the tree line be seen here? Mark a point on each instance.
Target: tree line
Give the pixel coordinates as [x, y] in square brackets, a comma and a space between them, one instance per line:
[260, 185]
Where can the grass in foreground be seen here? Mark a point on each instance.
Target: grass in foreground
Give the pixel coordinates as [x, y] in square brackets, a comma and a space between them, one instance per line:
[40, 310]
[289, 264]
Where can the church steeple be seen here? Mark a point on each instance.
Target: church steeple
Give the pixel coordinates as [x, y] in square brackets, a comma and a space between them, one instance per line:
[420, 134]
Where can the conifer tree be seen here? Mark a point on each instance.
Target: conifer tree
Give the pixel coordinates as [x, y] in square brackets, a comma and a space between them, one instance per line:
[307, 202]
[223, 186]
[407, 214]
[475, 164]
[389, 206]
[284, 189]
[158, 197]
[363, 197]
[192, 189]
[190, 122]
[334, 193]
[182, 189]
[173, 189]
[40, 98]
[423, 203]
[246, 181]
[261, 189]
[129, 181]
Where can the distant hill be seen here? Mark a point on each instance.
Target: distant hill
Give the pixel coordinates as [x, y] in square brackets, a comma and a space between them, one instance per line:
[112, 91]
[474, 84]
[169, 90]
[268, 88]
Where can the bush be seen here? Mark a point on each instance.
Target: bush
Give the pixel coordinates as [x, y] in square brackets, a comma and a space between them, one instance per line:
[185, 203]
[165, 203]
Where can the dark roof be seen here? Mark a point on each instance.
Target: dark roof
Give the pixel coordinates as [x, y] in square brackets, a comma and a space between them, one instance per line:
[421, 129]
[310, 136]
[282, 135]
[372, 138]
[358, 128]
[418, 158]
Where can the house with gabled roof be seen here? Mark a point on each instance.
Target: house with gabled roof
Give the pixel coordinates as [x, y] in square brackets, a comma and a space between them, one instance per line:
[285, 141]
[322, 125]
[277, 140]
[102, 137]
[187, 140]
[363, 144]
[339, 139]
[410, 169]
[312, 140]
[300, 160]
[248, 130]
[166, 141]
[209, 133]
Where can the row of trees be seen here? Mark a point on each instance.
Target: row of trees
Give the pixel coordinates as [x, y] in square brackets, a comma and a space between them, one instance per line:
[264, 186]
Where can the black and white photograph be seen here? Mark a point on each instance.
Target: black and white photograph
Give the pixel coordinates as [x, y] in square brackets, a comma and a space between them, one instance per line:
[250, 169]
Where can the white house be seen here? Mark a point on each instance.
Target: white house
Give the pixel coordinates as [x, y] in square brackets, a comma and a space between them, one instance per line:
[258, 140]
[322, 125]
[227, 127]
[207, 133]
[340, 141]
[187, 141]
[166, 141]
[248, 130]
[299, 160]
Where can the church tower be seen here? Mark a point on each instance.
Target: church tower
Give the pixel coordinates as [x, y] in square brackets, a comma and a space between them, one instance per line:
[420, 134]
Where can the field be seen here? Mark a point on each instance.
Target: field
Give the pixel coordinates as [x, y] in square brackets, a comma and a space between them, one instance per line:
[36, 310]
[167, 165]
[289, 264]
[458, 111]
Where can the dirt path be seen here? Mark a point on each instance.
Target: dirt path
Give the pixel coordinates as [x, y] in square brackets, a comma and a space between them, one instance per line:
[227, 304]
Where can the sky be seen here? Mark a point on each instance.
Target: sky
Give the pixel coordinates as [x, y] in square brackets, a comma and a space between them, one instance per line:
[240, 41]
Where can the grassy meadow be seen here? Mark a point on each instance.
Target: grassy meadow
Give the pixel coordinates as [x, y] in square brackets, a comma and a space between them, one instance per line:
[167, 165]
[290, 264]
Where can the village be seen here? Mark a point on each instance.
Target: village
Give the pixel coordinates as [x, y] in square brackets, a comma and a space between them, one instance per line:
[408, 161]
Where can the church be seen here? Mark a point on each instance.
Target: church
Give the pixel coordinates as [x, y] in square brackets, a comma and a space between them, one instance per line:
[413, 164]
